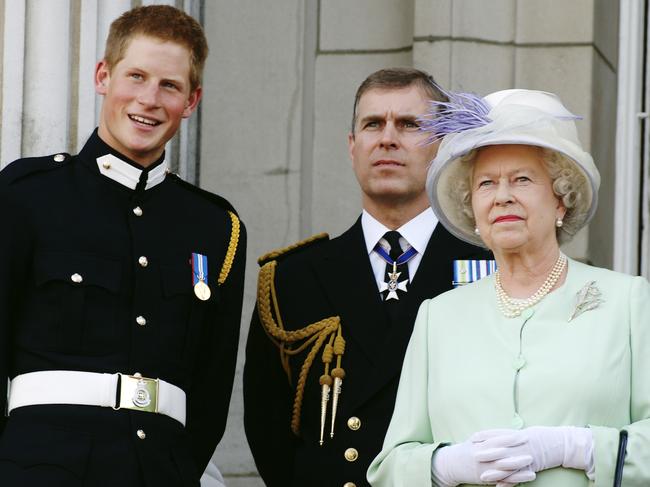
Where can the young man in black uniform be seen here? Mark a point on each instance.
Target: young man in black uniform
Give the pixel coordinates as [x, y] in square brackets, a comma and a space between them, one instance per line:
[120, 285]
[334, 317]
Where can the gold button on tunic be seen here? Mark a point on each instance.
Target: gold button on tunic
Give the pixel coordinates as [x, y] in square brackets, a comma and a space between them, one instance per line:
[351, 454]
[354, 423]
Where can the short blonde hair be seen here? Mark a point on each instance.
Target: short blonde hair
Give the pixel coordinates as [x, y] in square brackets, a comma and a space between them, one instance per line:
[162, 22]
[568, 182]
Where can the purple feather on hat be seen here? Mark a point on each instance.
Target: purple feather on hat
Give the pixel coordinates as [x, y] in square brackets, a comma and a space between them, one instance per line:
[463, 111]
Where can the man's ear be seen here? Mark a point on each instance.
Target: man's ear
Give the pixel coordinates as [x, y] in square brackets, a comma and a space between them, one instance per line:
[192, 101]
[102, 77]
[351, 145]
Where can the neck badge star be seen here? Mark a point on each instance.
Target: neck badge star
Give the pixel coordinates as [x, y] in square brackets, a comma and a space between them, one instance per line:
[392, 286]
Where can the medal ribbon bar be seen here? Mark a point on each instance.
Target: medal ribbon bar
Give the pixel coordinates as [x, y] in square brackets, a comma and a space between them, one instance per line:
[199, 268]
[467, 271]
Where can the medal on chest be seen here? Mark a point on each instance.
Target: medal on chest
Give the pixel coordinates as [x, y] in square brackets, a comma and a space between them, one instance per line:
[394, 284]
[200, 276]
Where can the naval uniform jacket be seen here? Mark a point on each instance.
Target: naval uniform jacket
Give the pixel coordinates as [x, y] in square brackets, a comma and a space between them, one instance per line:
[335, 278]
[61, 217]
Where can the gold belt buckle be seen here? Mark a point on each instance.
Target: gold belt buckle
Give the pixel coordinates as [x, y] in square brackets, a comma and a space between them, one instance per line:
[138, 393]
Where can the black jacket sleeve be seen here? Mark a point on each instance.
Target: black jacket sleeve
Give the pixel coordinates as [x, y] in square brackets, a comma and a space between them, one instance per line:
[268, 401]
[209, 398]
[15, 267]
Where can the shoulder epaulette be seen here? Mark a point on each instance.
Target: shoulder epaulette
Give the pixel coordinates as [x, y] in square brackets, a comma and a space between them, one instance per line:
[32, 165]
[290, 249]
[220, 201]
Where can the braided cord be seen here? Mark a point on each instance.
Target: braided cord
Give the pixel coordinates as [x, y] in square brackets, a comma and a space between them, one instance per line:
[300, 386]
[316, 333]
[232, 249]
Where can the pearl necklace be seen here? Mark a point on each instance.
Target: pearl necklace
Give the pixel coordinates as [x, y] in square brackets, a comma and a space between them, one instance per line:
[511, 307]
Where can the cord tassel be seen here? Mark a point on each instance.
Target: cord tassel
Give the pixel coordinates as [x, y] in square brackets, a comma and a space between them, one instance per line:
[338, 382]
[326, 385]
[324, 399]
[339, 374]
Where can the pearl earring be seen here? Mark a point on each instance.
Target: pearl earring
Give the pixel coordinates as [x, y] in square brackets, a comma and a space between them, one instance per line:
[559, 222]
[477, 231]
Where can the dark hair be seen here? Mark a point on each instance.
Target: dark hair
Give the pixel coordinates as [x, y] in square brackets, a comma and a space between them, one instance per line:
[396, 78]
[162, 22]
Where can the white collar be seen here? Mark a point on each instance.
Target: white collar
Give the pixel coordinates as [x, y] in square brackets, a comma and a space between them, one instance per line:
[124, 173]
[416, 231]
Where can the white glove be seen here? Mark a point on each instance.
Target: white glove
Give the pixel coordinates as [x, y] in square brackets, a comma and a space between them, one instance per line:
[483, 460]
[552, 446]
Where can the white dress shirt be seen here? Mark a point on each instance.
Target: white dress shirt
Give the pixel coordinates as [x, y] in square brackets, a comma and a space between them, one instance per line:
[415, 233]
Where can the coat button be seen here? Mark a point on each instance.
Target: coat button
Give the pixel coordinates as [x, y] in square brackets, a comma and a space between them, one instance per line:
[354, 423]
[141, 434]
[143, 261]
[141, 321]
[76, 278]
[106, 165]
[349, 484]
[137, 211]
[351, 454]
[59, 158]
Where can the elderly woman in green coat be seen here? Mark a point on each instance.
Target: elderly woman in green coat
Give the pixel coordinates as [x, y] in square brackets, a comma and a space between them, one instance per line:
[539, 373]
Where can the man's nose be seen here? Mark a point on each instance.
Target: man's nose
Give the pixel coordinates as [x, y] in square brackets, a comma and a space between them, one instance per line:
[389, 136]
[148, 95]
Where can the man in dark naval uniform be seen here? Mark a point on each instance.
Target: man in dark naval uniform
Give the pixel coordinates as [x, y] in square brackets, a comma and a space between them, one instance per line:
[120, 285]
[334, 317]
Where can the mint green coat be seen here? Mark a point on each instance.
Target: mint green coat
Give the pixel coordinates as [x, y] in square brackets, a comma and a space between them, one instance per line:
[467, 369]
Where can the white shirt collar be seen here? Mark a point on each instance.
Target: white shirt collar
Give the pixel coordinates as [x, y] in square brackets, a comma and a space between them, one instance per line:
[124, 173]
[416, 231]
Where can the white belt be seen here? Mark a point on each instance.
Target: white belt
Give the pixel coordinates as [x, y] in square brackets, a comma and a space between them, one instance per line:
[95, 389]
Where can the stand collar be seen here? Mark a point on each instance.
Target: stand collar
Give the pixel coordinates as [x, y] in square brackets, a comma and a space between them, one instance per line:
[121, 169]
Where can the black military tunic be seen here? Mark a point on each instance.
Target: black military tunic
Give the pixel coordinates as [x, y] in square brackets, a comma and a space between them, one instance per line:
[96, 276]
[334, 278]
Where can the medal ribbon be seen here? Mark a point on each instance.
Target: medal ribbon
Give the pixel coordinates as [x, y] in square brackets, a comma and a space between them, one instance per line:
[199, 268]
[467, 271]
[402, 259]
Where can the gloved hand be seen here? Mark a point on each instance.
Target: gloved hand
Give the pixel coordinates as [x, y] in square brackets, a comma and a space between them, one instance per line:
[552, 446]
[483, 460]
